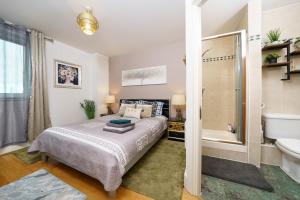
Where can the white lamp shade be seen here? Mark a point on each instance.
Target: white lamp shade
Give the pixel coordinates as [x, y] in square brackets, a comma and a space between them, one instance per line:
[178, 99]
[110, 99]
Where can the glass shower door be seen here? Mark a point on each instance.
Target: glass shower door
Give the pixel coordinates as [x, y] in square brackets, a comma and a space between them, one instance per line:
[223, 88]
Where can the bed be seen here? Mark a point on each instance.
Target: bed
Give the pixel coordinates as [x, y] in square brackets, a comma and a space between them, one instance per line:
[103, 155]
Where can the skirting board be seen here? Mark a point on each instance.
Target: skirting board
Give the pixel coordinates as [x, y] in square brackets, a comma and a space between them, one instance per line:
[270, 155]
[225, 154]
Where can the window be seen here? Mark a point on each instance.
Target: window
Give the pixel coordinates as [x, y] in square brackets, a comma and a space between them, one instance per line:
[11, 68]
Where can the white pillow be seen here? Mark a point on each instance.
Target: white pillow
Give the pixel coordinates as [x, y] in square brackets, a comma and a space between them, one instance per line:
[133, 112]
[146, 110]
[124, 106]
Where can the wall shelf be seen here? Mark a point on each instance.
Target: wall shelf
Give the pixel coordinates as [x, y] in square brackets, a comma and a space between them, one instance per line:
[281, 64]
[295, 72]
[295, 53]
[286, 64]
[276, 46]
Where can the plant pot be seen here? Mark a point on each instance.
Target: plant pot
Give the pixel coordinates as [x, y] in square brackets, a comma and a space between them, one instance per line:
[90, 115]
[297, 45]
[275, 42]
[272, 60]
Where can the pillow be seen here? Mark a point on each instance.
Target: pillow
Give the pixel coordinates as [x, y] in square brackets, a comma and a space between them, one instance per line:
[146, 110]
[129, 102]
[153, 104]
[133, 112]
[159, 108]
[124, 106]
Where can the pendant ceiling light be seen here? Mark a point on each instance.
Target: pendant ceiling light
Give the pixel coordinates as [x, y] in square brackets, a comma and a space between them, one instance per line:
[87, 22]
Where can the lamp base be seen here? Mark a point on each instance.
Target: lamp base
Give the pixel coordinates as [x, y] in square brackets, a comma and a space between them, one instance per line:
[179, 117]
[109, 110]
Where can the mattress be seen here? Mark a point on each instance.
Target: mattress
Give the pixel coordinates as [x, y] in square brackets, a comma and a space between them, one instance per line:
[103, 155]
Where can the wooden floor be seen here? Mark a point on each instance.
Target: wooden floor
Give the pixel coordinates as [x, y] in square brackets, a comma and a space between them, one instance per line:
[12, 169]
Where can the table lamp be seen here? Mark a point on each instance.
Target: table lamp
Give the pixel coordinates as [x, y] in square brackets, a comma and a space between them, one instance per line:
[178, 101]
[109, 100]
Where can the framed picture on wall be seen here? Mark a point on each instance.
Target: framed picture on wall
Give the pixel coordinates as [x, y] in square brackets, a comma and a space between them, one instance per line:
[67, 75]
[145, 76]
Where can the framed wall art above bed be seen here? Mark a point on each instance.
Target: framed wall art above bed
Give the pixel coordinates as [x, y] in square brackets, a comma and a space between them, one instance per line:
[67, 75]
[145, 76]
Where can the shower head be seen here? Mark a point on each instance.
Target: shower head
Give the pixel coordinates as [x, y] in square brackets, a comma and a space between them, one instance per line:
[207, 50]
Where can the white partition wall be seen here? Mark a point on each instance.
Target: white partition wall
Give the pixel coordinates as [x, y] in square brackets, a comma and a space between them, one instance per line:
[192, 176]
[254, 82]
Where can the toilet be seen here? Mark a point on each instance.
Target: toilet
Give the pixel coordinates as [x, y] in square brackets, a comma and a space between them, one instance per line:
[285, 129]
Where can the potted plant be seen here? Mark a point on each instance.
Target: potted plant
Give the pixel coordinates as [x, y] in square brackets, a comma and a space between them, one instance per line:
[297, 43]
[274, 36]
[89, 108]
[272, 58]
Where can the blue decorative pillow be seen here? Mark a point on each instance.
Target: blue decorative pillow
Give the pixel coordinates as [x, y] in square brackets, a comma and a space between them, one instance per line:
[159, 108]
[129, 102]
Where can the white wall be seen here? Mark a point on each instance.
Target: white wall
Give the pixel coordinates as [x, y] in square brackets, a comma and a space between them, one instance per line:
[170, 55]
[281, 96]
[64, 102]
[254, 83]
[287, 18]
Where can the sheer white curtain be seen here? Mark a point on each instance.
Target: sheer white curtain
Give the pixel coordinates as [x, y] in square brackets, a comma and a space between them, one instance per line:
[39, 118]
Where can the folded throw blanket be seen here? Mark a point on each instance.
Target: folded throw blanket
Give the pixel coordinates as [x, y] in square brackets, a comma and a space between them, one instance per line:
[120, 121]
[118, 130]
[119, 125]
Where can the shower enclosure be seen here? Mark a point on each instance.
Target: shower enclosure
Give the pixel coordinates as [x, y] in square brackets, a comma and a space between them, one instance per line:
[223, 92]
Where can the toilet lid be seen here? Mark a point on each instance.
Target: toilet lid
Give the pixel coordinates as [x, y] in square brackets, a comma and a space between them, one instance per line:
[292, 145]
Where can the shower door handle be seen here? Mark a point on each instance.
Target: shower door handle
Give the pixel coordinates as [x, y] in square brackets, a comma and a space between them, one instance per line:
[200, 113]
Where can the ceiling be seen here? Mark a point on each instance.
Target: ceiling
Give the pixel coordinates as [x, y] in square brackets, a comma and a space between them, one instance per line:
[221, 17]
[271, 4]
[125, 26]
[217, 18]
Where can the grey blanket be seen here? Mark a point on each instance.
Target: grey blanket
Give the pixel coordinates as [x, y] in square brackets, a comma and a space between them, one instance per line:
[100, 154]
[119, 125]
[118, 130]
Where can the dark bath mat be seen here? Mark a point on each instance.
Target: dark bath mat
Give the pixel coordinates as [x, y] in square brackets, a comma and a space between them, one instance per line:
[237, 172]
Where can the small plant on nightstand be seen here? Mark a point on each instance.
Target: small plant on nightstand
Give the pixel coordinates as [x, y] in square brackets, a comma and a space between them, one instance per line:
[272, 58]
[89, 108]
[274, 36]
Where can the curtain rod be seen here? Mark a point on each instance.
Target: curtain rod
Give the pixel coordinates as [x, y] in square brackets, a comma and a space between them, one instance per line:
[46, 37]
[29, 30]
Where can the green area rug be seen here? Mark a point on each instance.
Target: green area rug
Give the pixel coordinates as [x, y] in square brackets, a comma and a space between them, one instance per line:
[159, 174]
[284, 187]
[26, 157]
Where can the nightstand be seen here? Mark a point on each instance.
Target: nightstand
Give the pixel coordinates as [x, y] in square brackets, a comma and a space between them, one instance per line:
[176, 130]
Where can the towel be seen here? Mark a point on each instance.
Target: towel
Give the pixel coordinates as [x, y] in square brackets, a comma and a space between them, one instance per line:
[120, 121]
[118, 130]
[119, 125]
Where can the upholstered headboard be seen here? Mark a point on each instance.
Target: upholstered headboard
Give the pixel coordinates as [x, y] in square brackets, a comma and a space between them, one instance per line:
[166, 106]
